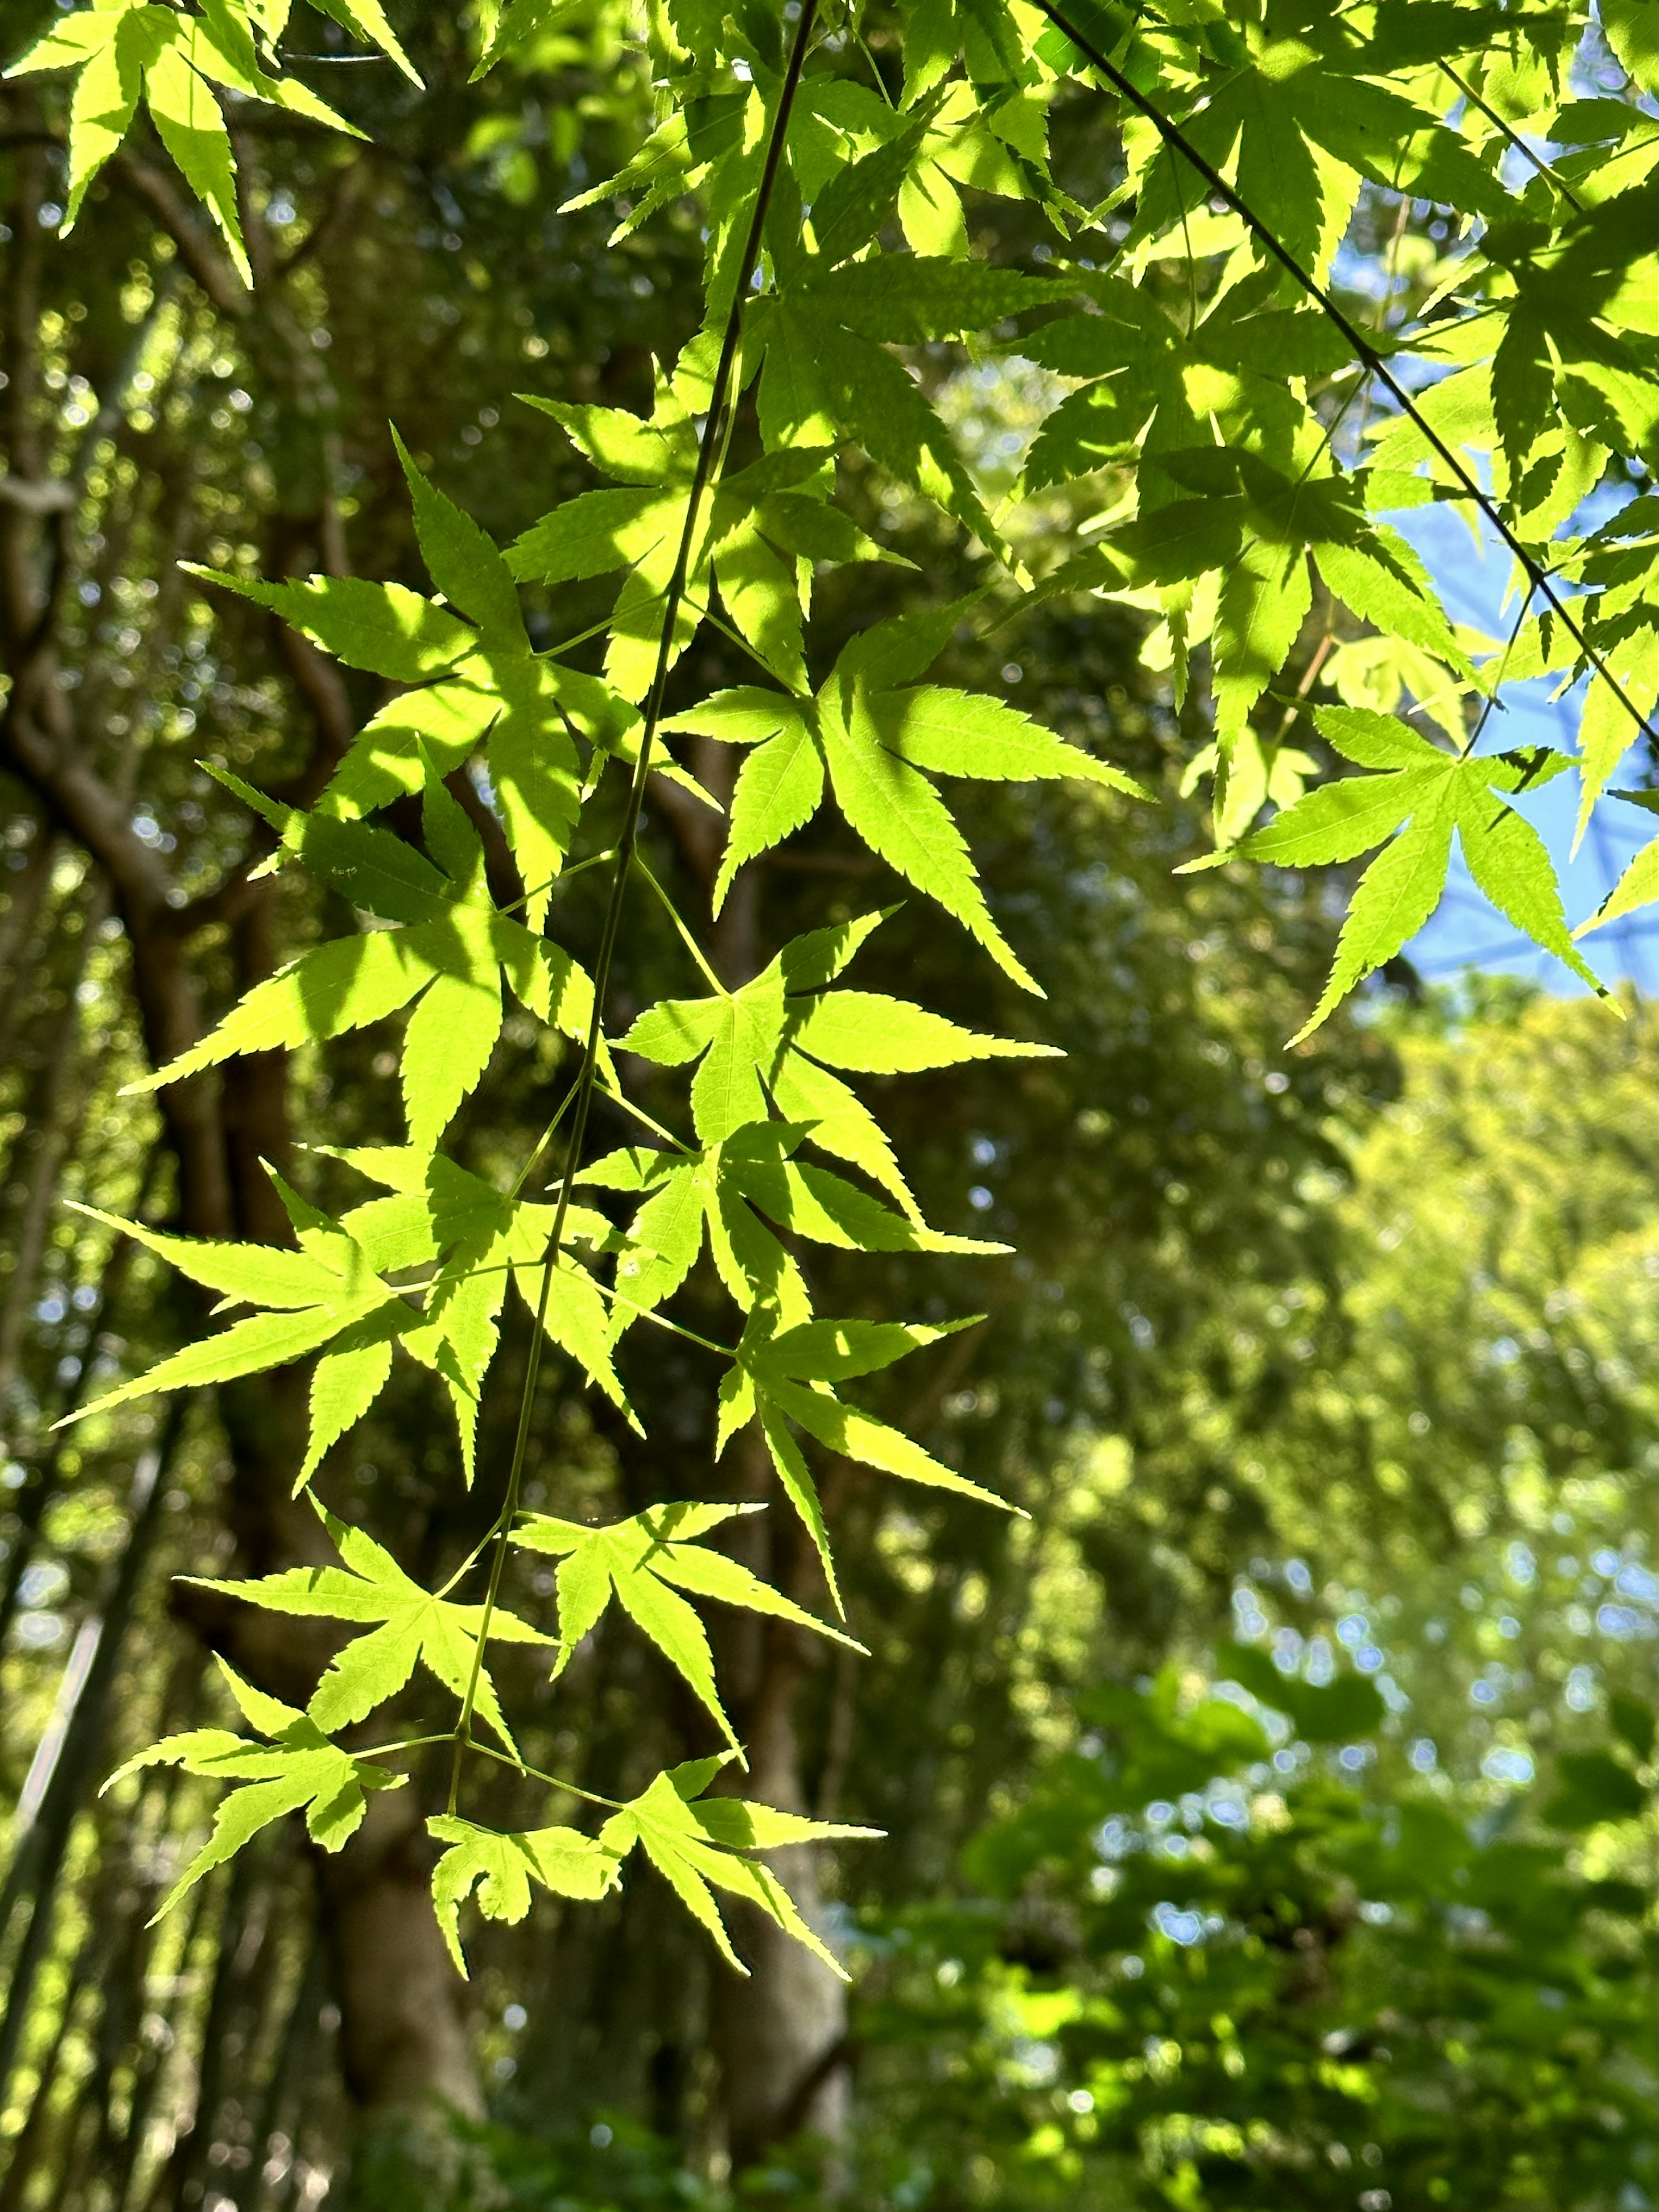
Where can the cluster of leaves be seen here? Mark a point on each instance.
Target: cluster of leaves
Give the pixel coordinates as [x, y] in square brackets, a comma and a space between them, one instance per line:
[1210, 456]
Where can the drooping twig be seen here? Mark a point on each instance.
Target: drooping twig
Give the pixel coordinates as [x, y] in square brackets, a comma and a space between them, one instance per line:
[710, 449]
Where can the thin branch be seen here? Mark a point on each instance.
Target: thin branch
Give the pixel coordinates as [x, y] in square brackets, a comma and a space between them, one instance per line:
[1514, 137]
[709, 447]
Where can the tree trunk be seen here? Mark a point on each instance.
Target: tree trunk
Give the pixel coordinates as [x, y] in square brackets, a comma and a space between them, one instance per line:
[780, 2035]
[46, 1146]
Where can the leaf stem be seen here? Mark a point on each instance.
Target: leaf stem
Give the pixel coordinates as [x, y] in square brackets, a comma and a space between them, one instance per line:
[710, 446]
[649, 1313]
[685, 935]
[555, 883]
[544, 1140]
[408, 1742]
[716, 621]
[581, 637]
[553, 1781]
[617, 1098]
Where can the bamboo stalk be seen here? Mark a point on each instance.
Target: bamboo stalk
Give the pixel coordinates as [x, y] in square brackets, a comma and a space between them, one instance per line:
[62, 1788]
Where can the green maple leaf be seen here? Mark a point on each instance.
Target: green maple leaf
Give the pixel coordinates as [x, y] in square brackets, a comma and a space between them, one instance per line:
[454, 1240]
[331, 1292]
[410, 1626]
[1257, 524]
[787, 1375]
[1619, 614]
[1636, 888]
[366, 20]
[297, 1769]
[1154, 387]
[126, 51]
[645, 1562]
[875, 739]
[824, 338]
[720, 1191]
[1576, 331]
[480, 1240]
[1414, 804]
[477, 684]
[449, 958]
[762, 523]
[705, 135]
[502, 1867]
[779, 1037]
[991, 144]
[696, 1845]
[1305, 120]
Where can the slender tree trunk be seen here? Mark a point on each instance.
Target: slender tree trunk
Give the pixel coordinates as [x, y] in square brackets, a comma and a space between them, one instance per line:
[31, 2138]
[300, 2019]
[59, 1792]
[182, 2186]
[40, 1486]
[51, 1141]
[404, 2040]
[780, 2035]
[410, 2046]
[26, 895]
[150, 2062]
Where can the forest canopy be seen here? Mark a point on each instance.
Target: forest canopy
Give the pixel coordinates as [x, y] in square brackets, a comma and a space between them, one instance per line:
[783, 1415]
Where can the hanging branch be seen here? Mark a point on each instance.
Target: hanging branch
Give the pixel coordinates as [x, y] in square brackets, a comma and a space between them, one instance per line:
[710, 447]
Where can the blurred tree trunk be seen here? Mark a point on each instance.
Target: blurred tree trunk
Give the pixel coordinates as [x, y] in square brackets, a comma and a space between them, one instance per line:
[782, 2034]
[52, 1122]
[27, 895]
[65, 1770]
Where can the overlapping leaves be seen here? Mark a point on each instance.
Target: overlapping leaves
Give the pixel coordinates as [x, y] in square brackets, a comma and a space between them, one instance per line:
[404, 1624]
[1210, 443]
[125, 51]
[766, 526]
[646, 1562]
[699, 1844]
[450, 1240]
[295, 1769]
[874, 737]
[778, 1038]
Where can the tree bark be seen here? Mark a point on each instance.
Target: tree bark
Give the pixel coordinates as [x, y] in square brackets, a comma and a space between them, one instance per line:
[780, 2035]
[46, 1146]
